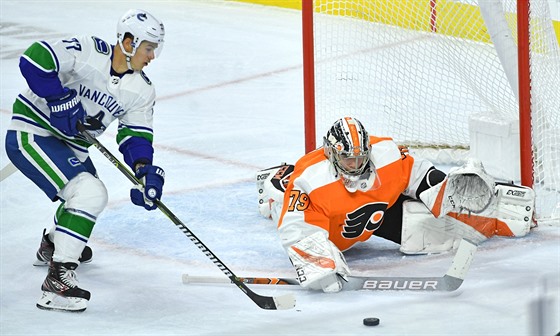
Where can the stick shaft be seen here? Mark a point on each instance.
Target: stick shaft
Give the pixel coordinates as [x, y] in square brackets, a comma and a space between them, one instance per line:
[450, 281]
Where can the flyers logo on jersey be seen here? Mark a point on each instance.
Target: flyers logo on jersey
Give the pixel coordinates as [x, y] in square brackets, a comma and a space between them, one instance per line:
[368, 217]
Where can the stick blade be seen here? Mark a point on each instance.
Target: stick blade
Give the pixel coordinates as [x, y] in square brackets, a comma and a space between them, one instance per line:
[286, 301]
[283, 302]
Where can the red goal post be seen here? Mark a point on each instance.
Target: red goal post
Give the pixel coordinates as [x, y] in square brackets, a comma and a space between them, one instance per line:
[448, 78]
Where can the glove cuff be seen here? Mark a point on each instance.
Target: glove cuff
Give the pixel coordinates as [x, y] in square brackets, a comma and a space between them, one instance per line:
[66, 92]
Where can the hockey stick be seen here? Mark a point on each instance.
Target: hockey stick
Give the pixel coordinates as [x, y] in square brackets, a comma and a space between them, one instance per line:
[265, 302]
[7, 171]
[451, 281]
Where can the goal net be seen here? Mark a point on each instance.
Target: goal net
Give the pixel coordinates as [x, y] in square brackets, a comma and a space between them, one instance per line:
[442, 77]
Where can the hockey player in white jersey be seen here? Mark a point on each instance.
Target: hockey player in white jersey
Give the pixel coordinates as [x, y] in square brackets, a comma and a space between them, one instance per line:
[84, 80]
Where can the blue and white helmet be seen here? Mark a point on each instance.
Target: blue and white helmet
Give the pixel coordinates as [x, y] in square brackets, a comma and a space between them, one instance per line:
[143, 26]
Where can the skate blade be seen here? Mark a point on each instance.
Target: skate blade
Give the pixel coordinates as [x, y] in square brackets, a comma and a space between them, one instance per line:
[52, 301]
[38, 262]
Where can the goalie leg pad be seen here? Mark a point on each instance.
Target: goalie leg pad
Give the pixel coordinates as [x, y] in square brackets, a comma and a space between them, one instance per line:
[271, 184]
[510, 214]
[422, 233]
[514, 210]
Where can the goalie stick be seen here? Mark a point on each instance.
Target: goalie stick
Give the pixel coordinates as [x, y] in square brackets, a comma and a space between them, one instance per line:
[451, 281]
[265, 302]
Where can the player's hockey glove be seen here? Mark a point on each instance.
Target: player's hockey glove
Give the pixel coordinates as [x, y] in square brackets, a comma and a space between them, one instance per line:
[152, 177]
[66, 112]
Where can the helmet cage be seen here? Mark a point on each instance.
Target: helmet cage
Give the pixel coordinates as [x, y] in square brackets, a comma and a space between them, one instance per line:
[351, 164]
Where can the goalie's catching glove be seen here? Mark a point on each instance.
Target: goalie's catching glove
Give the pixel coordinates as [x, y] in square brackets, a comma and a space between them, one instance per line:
[468, 188]
[319, 263]
[152, 178]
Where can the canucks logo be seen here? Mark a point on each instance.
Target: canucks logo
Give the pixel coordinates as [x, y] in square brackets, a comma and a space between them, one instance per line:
[73, 161]
[94, 124]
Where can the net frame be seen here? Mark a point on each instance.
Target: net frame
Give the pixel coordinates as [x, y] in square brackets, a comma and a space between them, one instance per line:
[537, 61]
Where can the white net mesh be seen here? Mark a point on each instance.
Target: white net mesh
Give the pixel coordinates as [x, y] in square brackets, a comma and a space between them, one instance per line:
[417, 70]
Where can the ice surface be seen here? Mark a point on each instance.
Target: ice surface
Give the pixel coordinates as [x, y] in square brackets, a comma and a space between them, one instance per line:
[230, 102]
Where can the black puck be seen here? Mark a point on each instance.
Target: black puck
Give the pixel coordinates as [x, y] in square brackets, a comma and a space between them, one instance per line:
[371, 321]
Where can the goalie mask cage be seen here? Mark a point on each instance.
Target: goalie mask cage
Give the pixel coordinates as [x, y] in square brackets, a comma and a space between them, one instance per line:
[419, 70]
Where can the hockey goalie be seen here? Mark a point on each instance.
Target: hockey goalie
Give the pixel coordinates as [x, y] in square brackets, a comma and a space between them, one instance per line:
[357, 186]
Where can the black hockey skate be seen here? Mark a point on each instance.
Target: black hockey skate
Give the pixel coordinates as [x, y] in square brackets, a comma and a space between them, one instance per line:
[46, 250]
[61, 291]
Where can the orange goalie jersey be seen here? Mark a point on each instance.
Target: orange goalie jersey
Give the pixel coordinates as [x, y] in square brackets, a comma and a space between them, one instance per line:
[316, 198]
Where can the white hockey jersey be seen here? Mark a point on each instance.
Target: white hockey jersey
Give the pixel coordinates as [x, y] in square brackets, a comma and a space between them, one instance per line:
[83, 63]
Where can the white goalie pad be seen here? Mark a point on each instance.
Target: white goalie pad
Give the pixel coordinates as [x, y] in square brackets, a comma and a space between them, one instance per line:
[513, 210]
[271, 184]
[422, 233]
[319, 263]
[509, 214]
[468, 188]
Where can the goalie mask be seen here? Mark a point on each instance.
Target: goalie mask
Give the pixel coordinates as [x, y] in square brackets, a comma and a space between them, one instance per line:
[347, 147]
[143, 26]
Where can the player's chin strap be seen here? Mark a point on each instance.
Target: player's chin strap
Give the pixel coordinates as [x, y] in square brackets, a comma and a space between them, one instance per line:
[128, 63]
[468, 188]
[128, 55]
